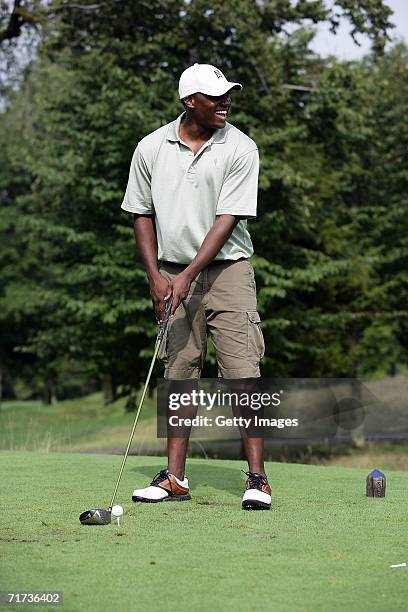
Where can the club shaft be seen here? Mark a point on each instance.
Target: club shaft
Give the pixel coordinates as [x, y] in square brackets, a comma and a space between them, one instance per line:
[156, 350]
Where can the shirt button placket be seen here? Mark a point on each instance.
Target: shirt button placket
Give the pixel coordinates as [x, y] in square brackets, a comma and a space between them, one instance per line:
[191, 173]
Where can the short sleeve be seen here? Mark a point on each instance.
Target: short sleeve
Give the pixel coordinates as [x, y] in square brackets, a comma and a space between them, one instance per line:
[239, 192]
[138, 195]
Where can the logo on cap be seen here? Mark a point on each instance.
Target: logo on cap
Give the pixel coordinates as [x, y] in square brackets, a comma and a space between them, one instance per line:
[218, 74]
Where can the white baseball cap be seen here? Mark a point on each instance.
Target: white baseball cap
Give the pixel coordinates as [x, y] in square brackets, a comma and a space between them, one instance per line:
[205, 79]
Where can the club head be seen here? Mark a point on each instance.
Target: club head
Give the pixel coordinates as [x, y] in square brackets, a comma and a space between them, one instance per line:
[95, 516]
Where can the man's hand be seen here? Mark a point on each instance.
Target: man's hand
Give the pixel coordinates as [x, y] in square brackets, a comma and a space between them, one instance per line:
[215, 239]
[145, 234]
[160, 291]
[179, 288]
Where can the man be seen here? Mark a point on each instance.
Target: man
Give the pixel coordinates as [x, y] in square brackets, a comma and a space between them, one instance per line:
[192, 185]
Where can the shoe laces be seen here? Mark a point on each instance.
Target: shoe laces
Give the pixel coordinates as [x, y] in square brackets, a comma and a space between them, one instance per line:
[255, 481]
[160, 477]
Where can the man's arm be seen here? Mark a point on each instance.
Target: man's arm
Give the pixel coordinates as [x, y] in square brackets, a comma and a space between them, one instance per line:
[145, 235]
[213, 242]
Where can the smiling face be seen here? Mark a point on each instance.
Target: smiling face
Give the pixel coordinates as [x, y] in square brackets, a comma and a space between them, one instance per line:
[209, 112]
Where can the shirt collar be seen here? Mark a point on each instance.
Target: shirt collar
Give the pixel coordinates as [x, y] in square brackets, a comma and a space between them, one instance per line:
[218, 137]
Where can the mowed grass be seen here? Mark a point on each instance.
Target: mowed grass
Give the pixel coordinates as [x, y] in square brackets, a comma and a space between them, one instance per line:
[84, 423]
[385, 455]
[324, 546]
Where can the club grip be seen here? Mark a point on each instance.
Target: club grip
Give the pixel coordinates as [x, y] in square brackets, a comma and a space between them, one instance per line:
[166, 318]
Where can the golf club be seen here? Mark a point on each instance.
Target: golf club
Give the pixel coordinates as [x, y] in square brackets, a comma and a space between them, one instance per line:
[100, 516]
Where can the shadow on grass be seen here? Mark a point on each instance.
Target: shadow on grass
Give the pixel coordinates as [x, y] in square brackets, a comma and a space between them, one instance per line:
[222, 478]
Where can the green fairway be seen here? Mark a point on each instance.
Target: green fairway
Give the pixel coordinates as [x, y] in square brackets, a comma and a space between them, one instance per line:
[87, 424]
[79, 424]
[323, 546]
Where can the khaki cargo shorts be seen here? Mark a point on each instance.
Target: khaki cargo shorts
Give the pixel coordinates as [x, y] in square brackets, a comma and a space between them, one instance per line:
[222, 303]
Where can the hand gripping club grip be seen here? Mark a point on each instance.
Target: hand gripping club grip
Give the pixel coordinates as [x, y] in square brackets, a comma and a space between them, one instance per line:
[163, 324]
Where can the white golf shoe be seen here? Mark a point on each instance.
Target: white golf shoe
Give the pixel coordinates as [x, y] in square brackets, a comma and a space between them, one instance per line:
[164, 487]
[257, 494]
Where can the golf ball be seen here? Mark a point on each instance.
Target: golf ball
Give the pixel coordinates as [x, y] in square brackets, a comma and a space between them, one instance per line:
[117, 510]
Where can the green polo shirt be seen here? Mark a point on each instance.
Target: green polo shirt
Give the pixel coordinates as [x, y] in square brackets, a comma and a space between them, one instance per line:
[186, 192]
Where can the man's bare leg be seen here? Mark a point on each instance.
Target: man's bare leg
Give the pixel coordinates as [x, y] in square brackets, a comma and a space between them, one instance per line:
[177, 452]
[254, 451]
[257, 495]
[177, 443]
[253, 446]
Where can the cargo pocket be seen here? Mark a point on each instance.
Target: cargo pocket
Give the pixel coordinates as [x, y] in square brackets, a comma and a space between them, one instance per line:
[256, 344]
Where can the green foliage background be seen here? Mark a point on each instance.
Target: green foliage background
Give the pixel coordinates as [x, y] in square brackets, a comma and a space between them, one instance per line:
[331, 236]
